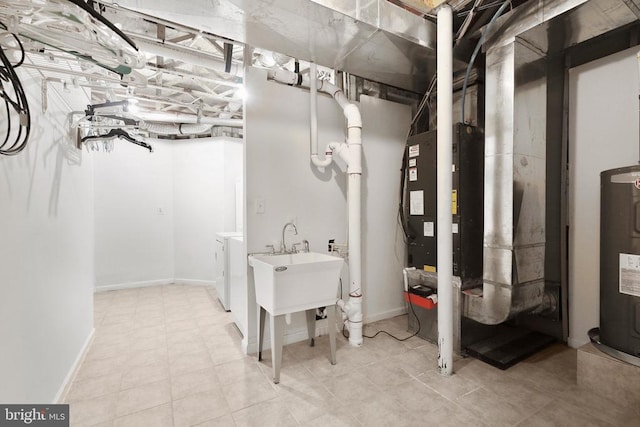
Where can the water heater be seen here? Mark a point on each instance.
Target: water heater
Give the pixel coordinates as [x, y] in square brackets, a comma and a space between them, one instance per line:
[620, 259]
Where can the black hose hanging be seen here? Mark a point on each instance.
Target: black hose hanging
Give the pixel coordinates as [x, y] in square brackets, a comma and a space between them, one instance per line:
[15, 102]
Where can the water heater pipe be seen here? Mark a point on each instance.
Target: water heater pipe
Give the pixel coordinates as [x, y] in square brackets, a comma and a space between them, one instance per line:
[353, 157]
[444, 180]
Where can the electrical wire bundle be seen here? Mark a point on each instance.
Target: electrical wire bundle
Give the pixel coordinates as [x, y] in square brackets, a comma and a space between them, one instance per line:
[18, 117]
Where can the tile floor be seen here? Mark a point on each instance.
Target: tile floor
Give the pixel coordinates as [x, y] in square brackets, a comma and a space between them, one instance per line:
[170, 356]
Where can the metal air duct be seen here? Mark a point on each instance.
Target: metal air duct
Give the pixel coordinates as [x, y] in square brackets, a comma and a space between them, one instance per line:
[373, 39]
[515, 146]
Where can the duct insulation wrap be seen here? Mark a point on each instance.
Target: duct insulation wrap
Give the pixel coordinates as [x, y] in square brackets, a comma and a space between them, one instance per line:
[177, 129]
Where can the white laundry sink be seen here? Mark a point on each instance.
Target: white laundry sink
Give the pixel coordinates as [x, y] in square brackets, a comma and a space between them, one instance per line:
[288, 283]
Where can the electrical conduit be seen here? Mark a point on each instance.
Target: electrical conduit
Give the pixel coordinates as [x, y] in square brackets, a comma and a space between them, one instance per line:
[351, 152]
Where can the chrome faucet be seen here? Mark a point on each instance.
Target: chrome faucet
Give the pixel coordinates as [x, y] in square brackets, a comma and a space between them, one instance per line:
[305, 242]
[295, 231]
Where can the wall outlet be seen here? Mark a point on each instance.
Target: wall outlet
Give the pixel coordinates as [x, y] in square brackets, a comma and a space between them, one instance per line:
[260, 206]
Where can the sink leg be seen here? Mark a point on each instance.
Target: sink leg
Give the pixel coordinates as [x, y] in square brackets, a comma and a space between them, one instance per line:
[331, 317]
[277, 338]
[261, 315]
[311, 325]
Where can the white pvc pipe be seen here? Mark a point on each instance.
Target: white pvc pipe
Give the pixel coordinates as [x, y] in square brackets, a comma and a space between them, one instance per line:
[287, 77]
[353, 157]
[313, 108]
[208, 139]
[354, 170]
[332, 147]
[187, 118]
[444, 180]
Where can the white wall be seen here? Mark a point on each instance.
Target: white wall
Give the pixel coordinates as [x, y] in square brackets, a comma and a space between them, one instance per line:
[385, 126]
[204, 176]
[603, 129]
[233, 174]
[134, 215]
[46, 252]
[198, 182]
[157, 214]
[279, 172]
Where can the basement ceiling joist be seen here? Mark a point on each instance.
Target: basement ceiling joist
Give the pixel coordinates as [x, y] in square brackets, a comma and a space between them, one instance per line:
[189, 75]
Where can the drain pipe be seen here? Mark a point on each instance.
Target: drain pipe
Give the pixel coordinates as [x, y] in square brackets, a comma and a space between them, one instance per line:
[351, 152]
[313, 109]
[444, 180]
[353, 307]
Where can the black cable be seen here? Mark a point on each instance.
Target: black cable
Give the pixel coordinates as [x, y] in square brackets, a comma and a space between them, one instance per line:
[19, 105]
[97, 16]
[345, 335]
[393, 336]
[408, 233]
[22, 53]
[475, 53]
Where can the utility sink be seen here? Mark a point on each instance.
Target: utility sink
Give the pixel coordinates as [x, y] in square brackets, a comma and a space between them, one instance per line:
[287, 283]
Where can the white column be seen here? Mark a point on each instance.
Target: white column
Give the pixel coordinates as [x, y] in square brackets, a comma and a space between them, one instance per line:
[444, 161]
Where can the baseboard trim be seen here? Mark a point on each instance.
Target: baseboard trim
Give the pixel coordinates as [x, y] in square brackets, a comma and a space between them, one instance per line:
[196, 282]
[131, 285]
[385, 315]
[71, 375]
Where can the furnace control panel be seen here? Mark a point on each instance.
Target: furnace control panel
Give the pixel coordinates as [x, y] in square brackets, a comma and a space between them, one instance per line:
[467, 201]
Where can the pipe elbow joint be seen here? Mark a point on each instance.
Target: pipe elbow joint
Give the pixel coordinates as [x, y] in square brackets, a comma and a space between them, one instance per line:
[321, 164]
[352, 311]
[352, 113]
[342, 150]
[283, 76]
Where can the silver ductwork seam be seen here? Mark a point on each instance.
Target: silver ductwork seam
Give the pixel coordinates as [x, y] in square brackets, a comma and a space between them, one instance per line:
[374, 39]
[515, 148]
[514, 210]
